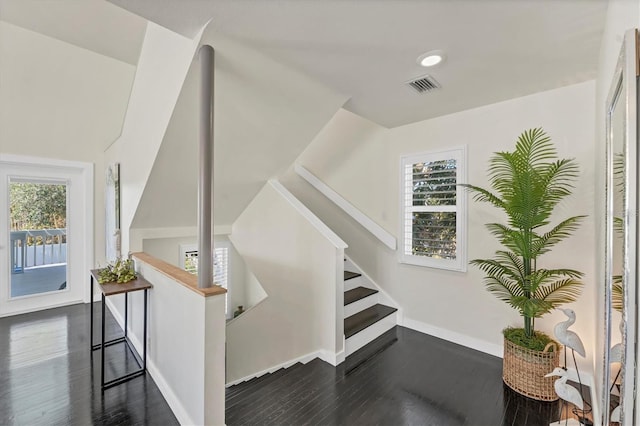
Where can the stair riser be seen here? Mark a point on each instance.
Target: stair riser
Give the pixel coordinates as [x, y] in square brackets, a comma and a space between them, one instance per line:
[370, 333]
[353, 283]
[360, 305]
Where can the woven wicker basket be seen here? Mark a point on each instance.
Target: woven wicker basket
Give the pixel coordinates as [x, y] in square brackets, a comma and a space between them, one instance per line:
[523, 370]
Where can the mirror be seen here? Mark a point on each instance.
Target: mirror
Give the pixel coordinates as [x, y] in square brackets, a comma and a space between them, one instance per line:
[618, 399]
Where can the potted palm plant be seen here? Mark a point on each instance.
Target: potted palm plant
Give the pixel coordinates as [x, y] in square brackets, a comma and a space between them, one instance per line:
[527, 184]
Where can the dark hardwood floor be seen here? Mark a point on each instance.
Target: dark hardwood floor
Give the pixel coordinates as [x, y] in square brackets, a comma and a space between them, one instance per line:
[48, 376]
[409, 379]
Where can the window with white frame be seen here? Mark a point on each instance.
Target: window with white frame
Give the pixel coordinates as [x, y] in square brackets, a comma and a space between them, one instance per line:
[189, 262]
[434, 209]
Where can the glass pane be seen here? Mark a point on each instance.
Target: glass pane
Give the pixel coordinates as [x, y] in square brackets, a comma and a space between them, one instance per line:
[38, 221]
[191, 262]
[220, 268]
[434, 183]
[433, 234]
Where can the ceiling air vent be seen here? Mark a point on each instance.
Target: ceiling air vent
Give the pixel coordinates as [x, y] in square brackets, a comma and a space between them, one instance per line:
[423, 84]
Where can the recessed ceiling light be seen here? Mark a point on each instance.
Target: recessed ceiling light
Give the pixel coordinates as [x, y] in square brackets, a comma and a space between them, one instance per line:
[431, 58]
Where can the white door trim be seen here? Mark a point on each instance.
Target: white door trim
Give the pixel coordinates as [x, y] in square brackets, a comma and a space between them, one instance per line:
[86, 172]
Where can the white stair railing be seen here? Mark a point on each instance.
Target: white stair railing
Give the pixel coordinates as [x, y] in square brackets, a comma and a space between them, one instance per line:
[378, 231]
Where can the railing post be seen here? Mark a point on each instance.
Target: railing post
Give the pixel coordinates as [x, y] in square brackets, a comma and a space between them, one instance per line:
[205, 173]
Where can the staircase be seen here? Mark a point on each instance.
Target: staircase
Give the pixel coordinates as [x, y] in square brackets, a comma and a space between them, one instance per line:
[365, 318]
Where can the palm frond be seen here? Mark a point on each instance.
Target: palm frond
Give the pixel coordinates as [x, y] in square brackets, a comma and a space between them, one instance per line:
[527, 184]
[531, 308]
[563, 230]
[617, 294]
[493, 268]
[510, 238]
[560, 292]
[503, 289]
[483, 195]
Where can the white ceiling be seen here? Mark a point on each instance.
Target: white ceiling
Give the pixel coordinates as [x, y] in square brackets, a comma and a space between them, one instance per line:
[96, 25]
[366, 49]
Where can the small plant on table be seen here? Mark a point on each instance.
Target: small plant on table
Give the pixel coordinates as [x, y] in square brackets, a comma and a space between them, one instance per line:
[121, 271]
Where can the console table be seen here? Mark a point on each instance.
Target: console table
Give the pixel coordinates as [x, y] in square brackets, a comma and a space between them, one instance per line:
[110, 289]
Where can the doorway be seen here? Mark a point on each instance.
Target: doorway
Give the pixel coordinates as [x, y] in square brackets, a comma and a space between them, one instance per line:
[46, 244]
[38, 236]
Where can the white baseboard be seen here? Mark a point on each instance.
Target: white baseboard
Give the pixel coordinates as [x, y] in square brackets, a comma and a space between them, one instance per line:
[166, 390]
[451, 336]
[169, 395]
[41, 308]
[331, 358]
[116, 314]
[303, 359]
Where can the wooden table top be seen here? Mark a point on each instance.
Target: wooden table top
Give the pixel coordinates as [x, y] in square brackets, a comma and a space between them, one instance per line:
[109, 289]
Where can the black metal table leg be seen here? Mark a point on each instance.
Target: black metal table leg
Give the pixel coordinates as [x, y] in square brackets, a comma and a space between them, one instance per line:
[126, 313]
[144, 342]
[91, 317]
[102, 343]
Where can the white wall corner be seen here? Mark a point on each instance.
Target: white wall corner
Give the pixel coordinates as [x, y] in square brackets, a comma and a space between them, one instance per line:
[331, 357]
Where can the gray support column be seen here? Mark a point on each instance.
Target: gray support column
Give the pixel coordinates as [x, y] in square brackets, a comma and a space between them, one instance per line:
[205, 172]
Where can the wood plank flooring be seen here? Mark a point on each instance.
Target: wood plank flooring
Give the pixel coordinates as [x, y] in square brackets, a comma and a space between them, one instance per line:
[356, 294]
[411, 379]
[48, 376]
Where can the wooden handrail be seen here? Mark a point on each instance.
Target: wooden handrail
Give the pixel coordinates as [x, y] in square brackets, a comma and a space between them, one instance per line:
[180, 276]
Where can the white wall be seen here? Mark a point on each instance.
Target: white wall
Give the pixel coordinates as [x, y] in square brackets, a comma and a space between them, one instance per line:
[253, 292]
[167, 249]
[350, 153]
[622, 15]
[301, 270]
[450, 304]
[61, 101]
[185, 352]
[162, 67]
[265, 114]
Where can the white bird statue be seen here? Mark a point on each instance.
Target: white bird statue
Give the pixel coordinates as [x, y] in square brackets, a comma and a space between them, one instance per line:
[565, 391]
[567, 337]
[615, 415]
[615, 355]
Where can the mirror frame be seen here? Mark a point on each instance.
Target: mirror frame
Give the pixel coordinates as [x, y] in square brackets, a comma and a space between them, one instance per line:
[623, 94]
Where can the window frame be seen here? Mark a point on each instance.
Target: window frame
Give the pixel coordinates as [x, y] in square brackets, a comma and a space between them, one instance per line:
[459, 264]
[188, 248]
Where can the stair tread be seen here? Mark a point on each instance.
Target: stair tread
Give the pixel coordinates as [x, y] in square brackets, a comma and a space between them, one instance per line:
[348, 275]
[357, 293]
[363, 319]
